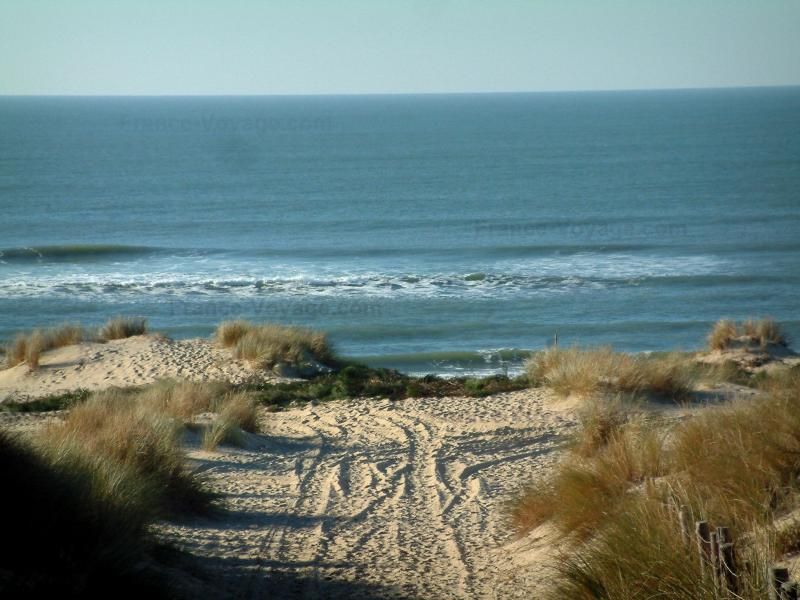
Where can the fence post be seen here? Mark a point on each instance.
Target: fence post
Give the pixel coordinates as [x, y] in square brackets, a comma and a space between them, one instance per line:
[716, 563]
[683, 519]
[776, 577]
[727, 556]
[789, 591]
[702, 537]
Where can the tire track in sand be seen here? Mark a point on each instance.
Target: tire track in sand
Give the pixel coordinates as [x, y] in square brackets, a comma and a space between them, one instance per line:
[406, 495]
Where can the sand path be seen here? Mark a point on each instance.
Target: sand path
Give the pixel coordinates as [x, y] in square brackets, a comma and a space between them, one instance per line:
[372, 498]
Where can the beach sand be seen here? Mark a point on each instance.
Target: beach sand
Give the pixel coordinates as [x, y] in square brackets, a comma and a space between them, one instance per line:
[375, 498]
[346, 499]
[126, 362]
[359, 498]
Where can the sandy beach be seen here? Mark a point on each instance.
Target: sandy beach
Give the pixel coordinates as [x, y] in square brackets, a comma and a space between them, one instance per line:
[382, 498]
[125, 362]
[350, 498]
[358, 497]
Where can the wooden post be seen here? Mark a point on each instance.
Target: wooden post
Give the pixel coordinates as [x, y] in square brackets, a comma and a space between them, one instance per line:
[724, 535]
[776, 577]
[727, 557]
[683, 519]
[716, 564]
[702, 538]
[789, 591]
[555, 340]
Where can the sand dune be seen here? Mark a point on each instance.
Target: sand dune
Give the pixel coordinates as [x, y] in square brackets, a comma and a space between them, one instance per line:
[356, 498]
[133, 361]
[407, 497]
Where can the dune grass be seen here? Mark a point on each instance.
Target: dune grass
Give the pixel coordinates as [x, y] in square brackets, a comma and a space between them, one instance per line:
[65, 536]
[722, 334]
[586, 372]
[229, 333]
[122, 327]
[130, 439]
[134, 446]
[735, 465]
[270, 344]
[28, 347]
[236, 412]
[761, 332]
[614, 451]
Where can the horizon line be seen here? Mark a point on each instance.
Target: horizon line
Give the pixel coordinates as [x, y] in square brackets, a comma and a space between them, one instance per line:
[433, 93]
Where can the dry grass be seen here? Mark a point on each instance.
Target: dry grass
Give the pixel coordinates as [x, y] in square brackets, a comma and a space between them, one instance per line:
[741, 462]
[762, 332]
[229, 333]
[182, 399]
[765, 332]
[27, 348]
[722, 334]
[587, 372]
[270, 344]
[591, 486]
[122, 327]
[600, 419]
[221, 431]
[66, 536]
[138, 447]
[640, 554]
[240, 409]
[237, 412]
[736, 465]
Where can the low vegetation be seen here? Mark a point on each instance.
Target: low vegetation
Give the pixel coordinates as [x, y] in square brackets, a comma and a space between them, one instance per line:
[735, 465]
[762, 332]
[131, 446]
[122, 327]
[88, 487]
[237, 413]
[359, 381]
[586, 372]
[66, 536]
[53, 402]
[270, 345]
[28, 348]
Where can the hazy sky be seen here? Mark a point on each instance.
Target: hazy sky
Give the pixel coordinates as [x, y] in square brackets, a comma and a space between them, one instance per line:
[376, 46]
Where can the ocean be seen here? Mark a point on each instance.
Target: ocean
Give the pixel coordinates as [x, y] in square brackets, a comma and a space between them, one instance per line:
[430, 233]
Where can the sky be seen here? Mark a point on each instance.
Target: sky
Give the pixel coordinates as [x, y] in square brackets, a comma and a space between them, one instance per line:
[157, 47]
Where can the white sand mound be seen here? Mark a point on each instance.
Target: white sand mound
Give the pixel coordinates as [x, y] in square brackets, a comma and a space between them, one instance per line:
[132, 361]
[408, 497]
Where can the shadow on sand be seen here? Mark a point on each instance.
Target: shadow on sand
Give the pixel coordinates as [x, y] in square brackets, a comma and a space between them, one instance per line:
[253, 579]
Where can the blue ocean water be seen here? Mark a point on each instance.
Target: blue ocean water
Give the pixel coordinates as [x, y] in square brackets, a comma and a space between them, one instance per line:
[440, 233]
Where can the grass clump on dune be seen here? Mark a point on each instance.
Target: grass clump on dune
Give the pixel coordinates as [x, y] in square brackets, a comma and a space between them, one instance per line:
[27, 348]
[136, 448]
[722, 334]
[736, 466]
[122, 327]
[587, 372]
[614, 451]
[237, 412]
[762, 332]
[229, 333]
[65, 534]
[271, 344]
